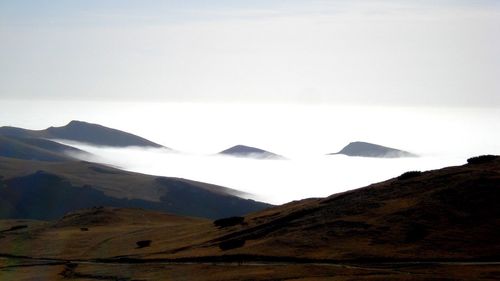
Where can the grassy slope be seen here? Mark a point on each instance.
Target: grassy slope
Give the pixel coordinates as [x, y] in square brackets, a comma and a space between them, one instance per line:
[220, 272]
[113, 182]
[450, 213]
[456, 210]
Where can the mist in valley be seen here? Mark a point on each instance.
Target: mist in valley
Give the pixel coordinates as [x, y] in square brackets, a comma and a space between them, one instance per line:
[273, 181]
[304, 134]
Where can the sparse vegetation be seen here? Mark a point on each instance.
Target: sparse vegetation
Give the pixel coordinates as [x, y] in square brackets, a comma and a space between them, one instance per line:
[409, 175]
[231, 221]
[481, 159]
[143, 243]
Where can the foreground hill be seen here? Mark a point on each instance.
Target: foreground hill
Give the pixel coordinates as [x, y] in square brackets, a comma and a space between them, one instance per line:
[251, 152]
[435, 225]
[82, 132]
[36, 149]
[46, 191]
[365, 149]
[451, 213]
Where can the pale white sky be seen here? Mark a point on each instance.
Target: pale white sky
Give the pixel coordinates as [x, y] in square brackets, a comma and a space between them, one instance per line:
[385, 52]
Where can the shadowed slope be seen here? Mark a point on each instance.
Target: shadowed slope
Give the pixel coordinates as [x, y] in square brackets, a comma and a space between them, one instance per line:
[41, 190]
[36, 149]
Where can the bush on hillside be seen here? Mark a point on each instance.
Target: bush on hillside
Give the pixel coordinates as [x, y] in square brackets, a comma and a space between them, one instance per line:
[481, 159]
[409, 175]
[221, 223]
[143, 243]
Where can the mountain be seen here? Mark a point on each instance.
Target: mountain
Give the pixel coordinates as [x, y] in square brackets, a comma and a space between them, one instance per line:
[36, 149]
[365, 149]
[435, 225]
[82, 132]
[248, 151]
[451, 213]
[46, 190]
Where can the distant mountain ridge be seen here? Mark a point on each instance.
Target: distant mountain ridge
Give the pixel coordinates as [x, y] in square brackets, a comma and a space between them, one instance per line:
[365, 149]
[80, 131]
[251, 152]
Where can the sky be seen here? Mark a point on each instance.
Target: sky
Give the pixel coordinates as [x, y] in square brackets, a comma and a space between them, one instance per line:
[386, 52]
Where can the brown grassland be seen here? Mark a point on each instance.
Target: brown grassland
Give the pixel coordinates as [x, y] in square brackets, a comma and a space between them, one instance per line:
[435, 225]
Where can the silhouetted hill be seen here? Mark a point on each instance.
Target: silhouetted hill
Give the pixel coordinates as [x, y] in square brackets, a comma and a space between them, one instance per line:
[43, 190]
[365, 149]
[83, 132]
[36, 149]
[248, 151]
[451, 213]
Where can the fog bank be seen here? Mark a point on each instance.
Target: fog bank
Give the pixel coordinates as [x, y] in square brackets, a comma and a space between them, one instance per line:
[273, 181]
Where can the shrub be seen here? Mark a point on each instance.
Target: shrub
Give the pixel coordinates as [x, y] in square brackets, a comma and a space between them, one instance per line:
[231, 244]
[143, 243]
[228, 221]
[409, 175]
[482, 159]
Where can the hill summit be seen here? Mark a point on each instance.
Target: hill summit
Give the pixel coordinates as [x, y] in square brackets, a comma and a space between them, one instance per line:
[80, 131]
[365, 149]
[251, 152]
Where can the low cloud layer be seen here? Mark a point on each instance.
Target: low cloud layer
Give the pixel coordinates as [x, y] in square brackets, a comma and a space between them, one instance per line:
[302, 134]
[267, 180]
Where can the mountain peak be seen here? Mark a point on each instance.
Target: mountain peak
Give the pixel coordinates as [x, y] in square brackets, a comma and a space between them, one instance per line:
[78, 122]
[96, 134]
[366, 149]
[85, 132]
[249, 151]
